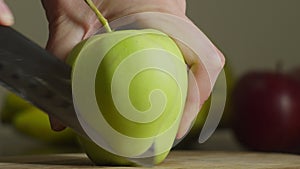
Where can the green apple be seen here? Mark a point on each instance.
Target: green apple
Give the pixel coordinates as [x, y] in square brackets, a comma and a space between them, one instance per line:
[12, 105]
[140, 87]
[35, 123]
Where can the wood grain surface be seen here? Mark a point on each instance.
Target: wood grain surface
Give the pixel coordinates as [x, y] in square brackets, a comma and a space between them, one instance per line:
[175, 160]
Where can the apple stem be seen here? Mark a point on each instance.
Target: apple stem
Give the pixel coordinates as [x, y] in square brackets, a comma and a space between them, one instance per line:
[101, 18]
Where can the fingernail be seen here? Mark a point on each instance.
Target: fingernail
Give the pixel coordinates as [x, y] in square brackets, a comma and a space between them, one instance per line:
[6, 19]
[56, 125]
[182, 132]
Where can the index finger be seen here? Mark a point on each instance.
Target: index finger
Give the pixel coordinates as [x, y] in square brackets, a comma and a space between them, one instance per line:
[6, 17]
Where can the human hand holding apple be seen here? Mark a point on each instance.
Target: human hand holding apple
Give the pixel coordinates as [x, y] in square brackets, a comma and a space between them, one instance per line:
[83, 25]
[267, 111]
[136, 84]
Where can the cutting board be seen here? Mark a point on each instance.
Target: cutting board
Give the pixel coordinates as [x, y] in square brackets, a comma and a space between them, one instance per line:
[175, 160]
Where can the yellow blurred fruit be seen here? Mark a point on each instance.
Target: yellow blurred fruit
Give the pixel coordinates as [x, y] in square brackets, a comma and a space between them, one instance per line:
[12, 105]
[35, 123]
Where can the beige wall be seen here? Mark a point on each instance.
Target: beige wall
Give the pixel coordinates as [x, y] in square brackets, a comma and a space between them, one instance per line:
[30, 19]
[251, 33]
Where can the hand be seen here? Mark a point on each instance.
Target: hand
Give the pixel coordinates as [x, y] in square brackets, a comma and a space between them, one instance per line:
[6, 17]
[68, 26]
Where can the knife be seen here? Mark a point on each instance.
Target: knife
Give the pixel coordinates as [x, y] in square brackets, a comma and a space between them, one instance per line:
[37, 76]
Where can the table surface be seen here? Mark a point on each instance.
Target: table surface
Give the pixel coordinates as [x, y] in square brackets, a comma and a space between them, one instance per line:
[221, 151]
[175, 160]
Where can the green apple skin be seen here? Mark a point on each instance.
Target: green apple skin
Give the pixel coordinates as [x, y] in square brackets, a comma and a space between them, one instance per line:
[35, 123]
[12, 106]
[101, 157]
[137, 92]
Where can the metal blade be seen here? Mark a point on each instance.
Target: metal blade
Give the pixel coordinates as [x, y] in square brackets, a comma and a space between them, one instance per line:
[34, 74]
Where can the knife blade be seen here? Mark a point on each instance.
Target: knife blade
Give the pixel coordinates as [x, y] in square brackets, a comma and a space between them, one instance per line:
[37, 76]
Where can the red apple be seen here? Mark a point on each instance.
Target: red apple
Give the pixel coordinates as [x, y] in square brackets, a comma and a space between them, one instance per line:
[266, 111]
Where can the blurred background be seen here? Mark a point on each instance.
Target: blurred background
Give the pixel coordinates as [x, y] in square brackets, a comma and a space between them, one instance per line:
[254, 35]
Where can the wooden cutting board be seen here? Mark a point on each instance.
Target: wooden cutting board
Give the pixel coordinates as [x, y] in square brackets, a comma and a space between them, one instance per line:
[175, 160]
